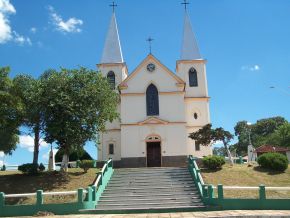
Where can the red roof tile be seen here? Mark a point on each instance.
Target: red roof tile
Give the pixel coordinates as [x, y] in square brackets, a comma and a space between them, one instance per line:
[271, 148]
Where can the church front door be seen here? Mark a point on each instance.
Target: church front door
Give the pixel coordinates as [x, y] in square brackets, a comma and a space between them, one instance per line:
[153, 154]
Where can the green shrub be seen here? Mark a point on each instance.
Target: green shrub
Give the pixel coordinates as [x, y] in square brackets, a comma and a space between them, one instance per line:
[213, 162]
[87, 164]
[273, 161]
[28, 168]
[41, 167]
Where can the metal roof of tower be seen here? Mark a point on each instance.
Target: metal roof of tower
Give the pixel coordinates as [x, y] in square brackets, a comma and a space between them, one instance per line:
[112, 52]
[189, 50]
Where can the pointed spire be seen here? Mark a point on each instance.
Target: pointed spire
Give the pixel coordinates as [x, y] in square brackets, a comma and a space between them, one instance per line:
[189, 50]
[112, 52]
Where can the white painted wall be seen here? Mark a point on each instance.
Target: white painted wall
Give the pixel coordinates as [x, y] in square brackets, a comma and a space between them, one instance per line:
[106, 139]
[172, 139]
[199, 91]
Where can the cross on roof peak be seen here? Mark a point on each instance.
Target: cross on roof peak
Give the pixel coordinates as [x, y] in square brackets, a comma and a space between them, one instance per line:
[185, 3]
[149, 40]
[113, 5]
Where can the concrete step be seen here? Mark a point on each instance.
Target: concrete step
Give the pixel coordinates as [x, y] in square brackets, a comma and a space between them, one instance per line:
[149, 194]
[164, 200]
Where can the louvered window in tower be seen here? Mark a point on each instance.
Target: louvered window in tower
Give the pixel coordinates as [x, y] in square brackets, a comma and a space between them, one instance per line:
[152, 101]
[192, 74]
[111, 79]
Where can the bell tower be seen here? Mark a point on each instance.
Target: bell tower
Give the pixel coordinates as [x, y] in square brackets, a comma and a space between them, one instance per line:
[112, 64]
[192, 69]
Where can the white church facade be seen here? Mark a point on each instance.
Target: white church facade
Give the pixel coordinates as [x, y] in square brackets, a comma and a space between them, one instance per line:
[158, 108]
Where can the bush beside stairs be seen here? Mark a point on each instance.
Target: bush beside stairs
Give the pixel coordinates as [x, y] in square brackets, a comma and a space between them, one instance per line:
[151, 190]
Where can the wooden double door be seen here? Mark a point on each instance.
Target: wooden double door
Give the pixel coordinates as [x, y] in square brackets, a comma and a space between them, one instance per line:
[153, 154]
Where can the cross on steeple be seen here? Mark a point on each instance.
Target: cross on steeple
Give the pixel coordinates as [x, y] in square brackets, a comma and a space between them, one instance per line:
[113, 5]
[185, 3]
[149, 40]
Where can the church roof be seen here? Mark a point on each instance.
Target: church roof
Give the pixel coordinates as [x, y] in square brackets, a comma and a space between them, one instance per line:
[112, 52]
[152, 57]
[189, 49]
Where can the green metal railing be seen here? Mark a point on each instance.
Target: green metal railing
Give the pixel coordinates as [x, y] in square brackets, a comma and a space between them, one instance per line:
[86, 198]
[219, 202]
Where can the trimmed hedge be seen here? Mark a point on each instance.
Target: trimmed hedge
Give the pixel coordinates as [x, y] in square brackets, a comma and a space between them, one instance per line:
[87, 164]
[213, 162]
[273, 161]
[31, 169]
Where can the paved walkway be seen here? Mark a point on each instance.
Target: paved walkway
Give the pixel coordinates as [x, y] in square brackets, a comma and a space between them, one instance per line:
[227, 213]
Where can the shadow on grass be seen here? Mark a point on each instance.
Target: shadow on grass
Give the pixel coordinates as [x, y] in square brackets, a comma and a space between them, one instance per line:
[267, 171]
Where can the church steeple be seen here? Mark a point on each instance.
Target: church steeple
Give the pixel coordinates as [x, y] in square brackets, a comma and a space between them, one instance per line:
[189, 50]
[112, 52]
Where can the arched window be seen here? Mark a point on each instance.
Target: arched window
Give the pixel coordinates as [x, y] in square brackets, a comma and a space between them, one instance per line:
[195, 116]
[152, 101]
[192, 75]
[111, 79]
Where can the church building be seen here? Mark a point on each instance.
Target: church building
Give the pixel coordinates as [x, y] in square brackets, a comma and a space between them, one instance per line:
[158, 108]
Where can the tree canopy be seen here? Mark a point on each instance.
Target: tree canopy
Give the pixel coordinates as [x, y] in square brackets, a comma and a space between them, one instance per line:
[11, 110]
[271, 130]
[207, 135]
[77, 105]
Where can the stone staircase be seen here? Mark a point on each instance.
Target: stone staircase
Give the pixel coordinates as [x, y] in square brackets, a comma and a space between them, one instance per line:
[150, 189]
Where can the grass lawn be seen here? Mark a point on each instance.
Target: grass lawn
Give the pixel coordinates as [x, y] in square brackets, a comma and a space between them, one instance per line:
[14, 182]
[242, 175]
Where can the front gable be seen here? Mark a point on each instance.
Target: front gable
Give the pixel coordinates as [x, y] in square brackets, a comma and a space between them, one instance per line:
[164, 79]
[154, 121]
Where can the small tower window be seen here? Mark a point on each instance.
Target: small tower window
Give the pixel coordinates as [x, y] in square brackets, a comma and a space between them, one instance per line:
[152, 101]
[192, 75]
[111, 79]
[111, 148]
[195, 116]
[197, 146]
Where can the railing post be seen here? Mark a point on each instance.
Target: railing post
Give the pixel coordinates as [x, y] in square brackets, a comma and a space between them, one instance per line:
[39, 197]
[2, 199]
[262, 192]
[204, 191]
[240, 159]
[94, 190]
[80, 195]
[197, 175]
[90, 194]
[220, 192]
[101, 180]
[210, 192]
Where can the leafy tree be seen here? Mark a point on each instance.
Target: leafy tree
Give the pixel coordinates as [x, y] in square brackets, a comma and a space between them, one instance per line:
[78, 104]
[281, 136]
[10, 113]
[261, 132]
[82, 154]
[206, 135]
[30, 92]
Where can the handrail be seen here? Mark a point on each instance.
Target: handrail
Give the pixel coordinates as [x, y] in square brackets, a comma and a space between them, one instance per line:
[254, 188]
[44, 193]
[200, 178]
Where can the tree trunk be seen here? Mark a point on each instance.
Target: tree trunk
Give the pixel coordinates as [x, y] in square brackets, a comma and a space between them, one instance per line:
[64, 163]
[229, 153]
[36, 144]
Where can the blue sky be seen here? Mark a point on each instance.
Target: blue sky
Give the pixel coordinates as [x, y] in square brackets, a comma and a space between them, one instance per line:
[246, 44]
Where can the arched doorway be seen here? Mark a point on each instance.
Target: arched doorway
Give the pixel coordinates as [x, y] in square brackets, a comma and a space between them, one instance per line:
[153, 144]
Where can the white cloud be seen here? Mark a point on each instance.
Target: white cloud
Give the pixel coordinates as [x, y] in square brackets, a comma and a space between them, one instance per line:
[6, 33]
[72, 25]
[255, 67]
[5, 30]
[33, 29]
[21, 40]
[1, 154]
[26, 141]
